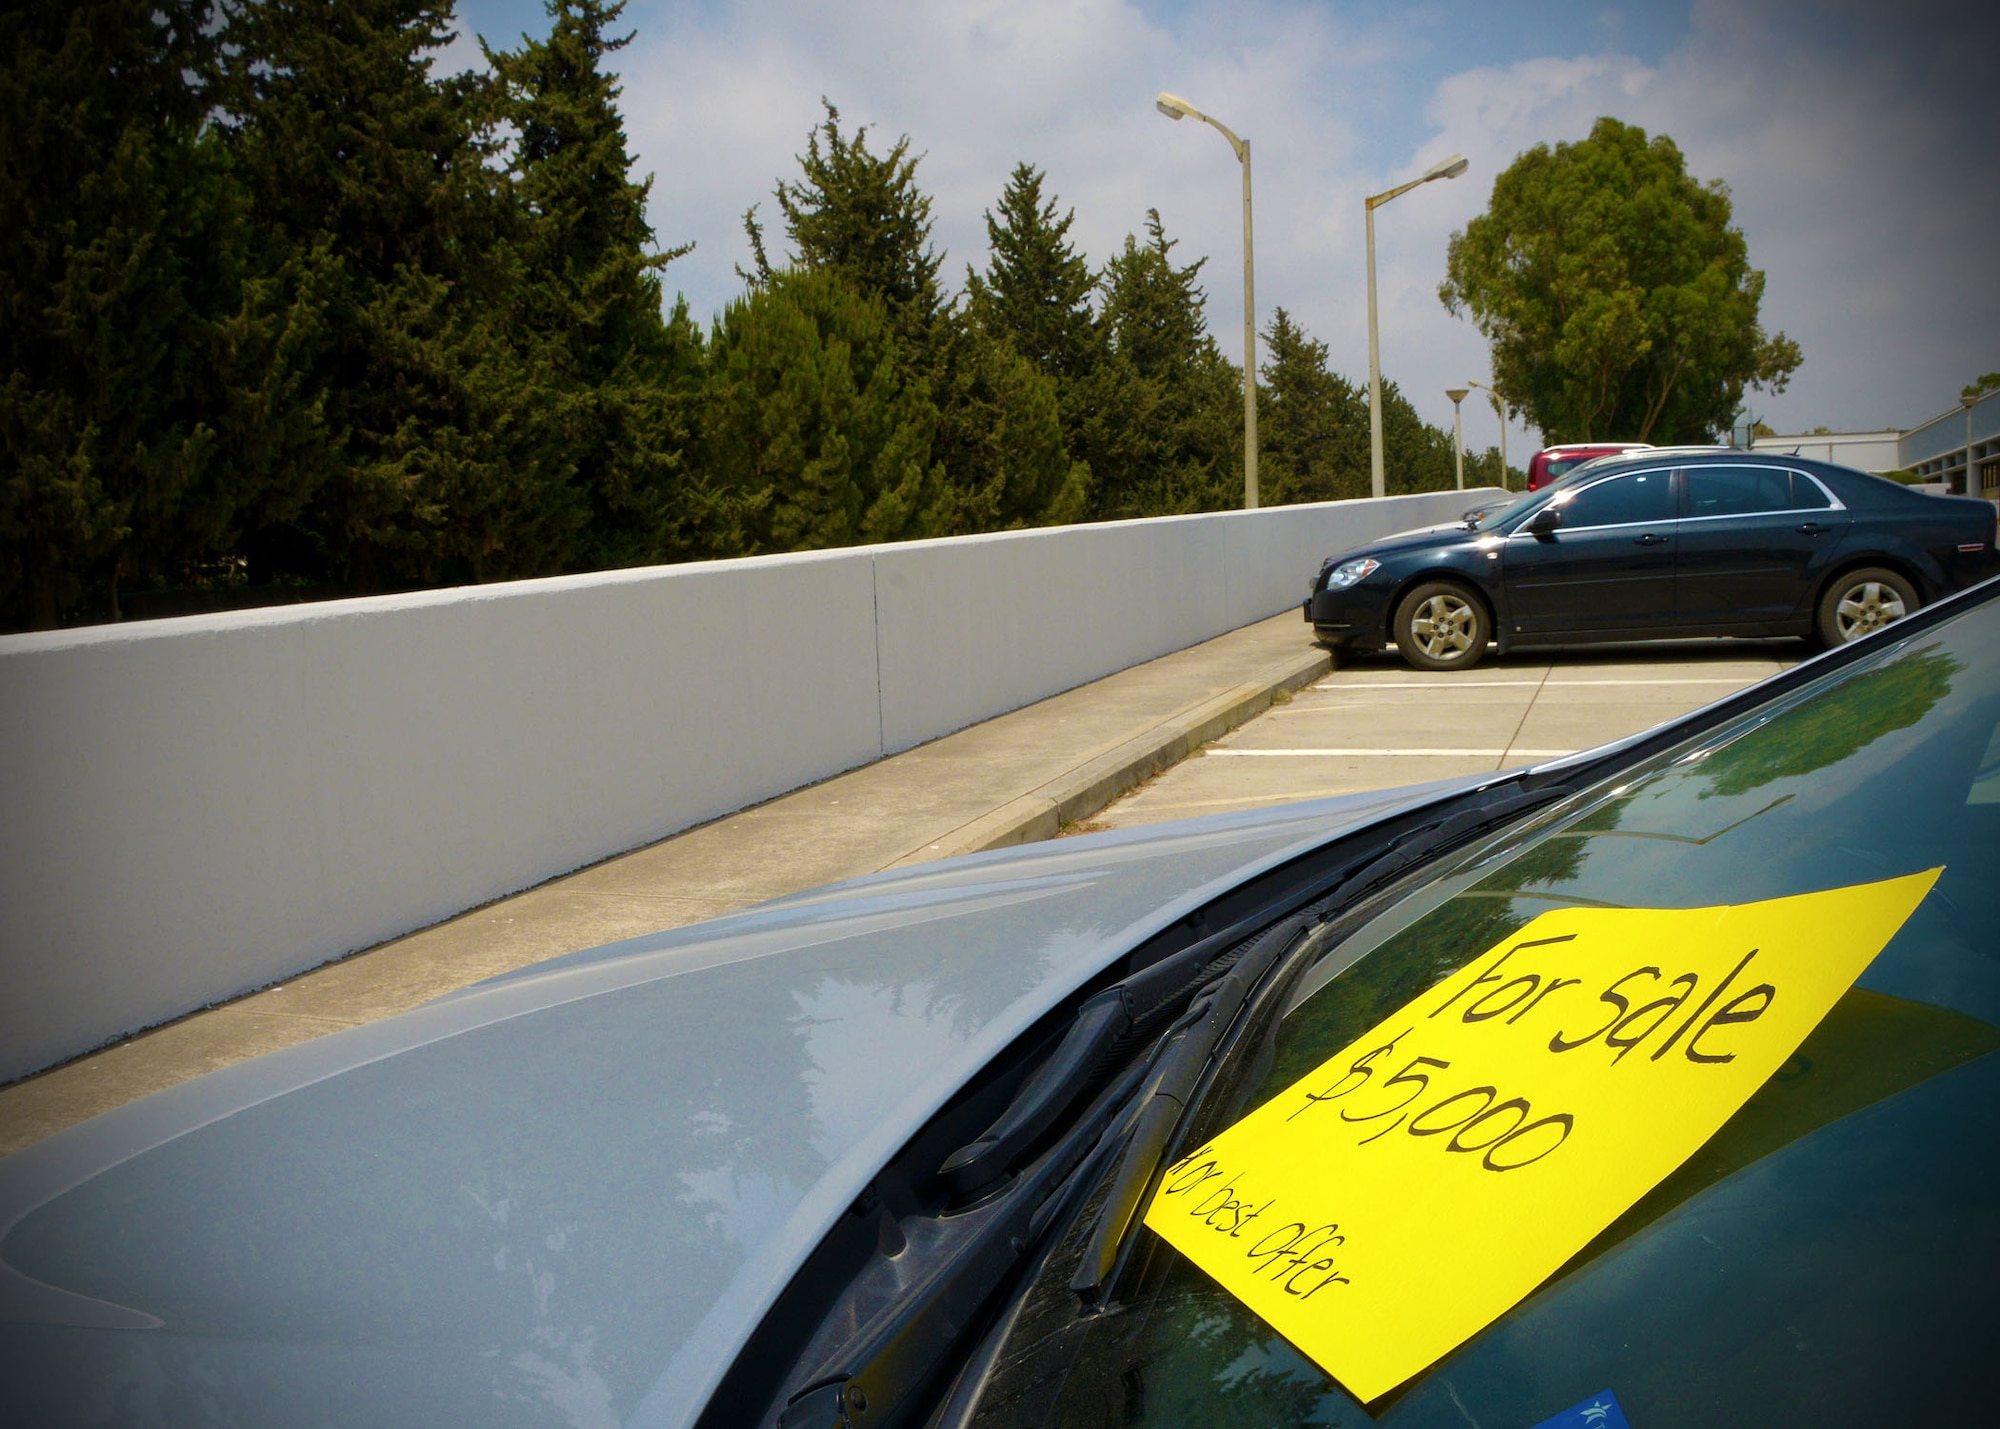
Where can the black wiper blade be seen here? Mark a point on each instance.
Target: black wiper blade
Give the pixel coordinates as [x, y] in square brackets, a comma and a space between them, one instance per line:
[1108, 1027]
[1164, 1097]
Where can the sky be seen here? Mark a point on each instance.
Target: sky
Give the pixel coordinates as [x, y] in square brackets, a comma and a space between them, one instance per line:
[1859, 140]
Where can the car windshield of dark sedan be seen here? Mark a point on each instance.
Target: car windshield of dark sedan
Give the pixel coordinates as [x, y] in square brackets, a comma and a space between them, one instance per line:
[1827, 1257]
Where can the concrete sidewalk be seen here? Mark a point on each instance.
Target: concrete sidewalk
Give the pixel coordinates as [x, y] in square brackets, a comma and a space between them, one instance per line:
[1010, 780]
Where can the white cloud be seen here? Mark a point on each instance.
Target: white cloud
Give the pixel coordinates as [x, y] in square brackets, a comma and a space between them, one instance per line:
[1860, 149]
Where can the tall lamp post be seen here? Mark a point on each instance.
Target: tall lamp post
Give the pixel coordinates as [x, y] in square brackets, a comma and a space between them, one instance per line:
[1457, 395]
[1501, 413]
[1177, 108]
[1972, 486]
[1449, 169]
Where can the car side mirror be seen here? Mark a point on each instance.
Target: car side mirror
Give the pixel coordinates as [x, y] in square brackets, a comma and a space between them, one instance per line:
[1545, 520]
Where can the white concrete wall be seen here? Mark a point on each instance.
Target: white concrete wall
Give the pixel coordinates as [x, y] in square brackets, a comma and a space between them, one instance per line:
[976, 625]
[191, 808]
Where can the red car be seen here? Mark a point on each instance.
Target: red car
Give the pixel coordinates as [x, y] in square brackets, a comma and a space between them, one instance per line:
[1551, 462]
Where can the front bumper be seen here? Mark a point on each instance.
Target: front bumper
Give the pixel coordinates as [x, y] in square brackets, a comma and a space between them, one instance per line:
[1356, 618]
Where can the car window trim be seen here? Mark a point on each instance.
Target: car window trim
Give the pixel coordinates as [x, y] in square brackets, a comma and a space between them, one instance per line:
[1687, 493]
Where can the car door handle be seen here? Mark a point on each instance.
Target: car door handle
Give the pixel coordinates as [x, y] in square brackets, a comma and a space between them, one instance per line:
[1649, 539]
[1812, 528]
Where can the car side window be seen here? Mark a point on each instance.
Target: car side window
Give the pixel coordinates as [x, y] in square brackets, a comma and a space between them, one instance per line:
[1807, 494]
[1740, 490]
[1622, 500]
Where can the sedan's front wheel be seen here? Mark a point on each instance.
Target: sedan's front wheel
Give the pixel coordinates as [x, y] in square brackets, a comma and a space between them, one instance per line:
[1442, 626]
[1863, 601]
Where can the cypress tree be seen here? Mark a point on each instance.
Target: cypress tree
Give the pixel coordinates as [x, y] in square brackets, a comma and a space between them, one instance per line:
[114, 289]
[1036, 290]
[618, 379]
[1010, 359]
[1312, 423]
[1160, 412]
[380, 236]
[1416, 456]
[808, 426]
[1000, 440]
[861, 215]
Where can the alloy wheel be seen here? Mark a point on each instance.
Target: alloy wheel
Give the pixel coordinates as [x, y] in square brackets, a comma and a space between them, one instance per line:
[1867, 606]
[1443, 626]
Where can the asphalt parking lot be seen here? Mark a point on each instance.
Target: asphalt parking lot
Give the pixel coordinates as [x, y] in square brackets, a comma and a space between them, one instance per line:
[1375, 723]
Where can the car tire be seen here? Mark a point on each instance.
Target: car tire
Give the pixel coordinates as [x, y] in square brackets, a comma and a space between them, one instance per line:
[1860, 601]
[1441, 625]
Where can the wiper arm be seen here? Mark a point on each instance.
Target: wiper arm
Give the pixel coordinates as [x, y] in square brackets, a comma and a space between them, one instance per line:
[1107, 1028]
[1109, 1025]
[1164, 1097]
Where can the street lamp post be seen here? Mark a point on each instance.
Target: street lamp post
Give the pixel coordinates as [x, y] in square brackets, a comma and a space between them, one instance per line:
[1972, 486]
[1177, 108]
[1449, 169]
[1501, 413]
[1457, 395]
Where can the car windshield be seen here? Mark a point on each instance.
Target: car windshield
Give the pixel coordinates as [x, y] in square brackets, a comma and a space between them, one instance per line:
[1828, 1257]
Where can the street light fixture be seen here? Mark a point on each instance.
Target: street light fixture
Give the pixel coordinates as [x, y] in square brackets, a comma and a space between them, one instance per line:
[1457, 395]
[1176, 108]
[1445, 169]
[1501, 413]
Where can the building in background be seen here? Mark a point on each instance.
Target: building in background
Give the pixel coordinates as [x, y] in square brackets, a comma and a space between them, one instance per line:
[1958, 449]
[1868, 451]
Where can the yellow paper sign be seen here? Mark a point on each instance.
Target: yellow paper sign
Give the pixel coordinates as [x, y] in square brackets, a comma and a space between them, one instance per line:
[1392, 1203]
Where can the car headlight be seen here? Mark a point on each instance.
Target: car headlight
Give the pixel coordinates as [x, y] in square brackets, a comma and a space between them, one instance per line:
[1349, 572]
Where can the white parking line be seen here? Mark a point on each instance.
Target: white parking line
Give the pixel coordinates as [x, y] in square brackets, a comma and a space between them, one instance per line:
[1532, 685]
[1386, 753]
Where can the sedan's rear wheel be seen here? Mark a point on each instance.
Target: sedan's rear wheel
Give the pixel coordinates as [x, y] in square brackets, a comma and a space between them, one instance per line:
[1862, 601]
[1442, 626]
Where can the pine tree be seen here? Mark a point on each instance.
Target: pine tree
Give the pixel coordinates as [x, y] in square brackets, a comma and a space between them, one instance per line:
[1004, 364]
[115, 283]
[1312, 423]
[1416, 456]
[1036, 290]
[1161, 411]
[1000, 440]
[808, 426]
[617, 380]
[861, 215]
[381, 234]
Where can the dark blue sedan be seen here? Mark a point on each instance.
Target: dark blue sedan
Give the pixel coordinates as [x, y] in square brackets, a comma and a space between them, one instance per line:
[1659, 546]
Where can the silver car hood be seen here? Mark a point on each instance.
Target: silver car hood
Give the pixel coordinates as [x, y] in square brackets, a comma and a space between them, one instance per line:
[568, 1195]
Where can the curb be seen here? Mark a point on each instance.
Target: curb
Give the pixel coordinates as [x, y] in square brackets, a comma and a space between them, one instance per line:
[1078, 793]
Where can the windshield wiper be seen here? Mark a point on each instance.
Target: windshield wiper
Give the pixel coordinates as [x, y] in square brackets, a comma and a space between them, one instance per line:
[1164, 1096]
[1108, 1028]
[1109, 1025]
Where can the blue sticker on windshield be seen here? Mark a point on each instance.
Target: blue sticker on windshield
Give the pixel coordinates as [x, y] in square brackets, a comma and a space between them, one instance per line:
[1600, 1411]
